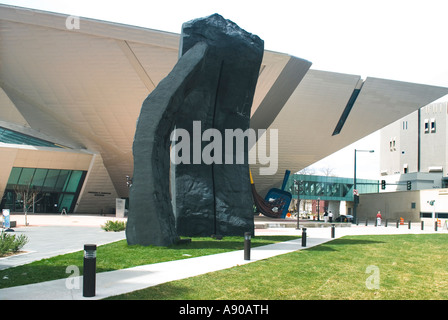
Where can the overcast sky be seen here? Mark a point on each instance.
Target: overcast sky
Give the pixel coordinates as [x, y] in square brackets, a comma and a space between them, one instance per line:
[402, 40]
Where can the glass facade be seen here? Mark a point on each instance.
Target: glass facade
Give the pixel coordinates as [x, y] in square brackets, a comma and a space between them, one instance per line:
[328, 188]
[57, 189]
[13, 137]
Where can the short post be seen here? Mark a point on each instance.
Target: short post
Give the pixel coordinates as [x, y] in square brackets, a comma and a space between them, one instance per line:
[435, 226]
[247, 237]
[303, 237]
[385, 223]
[409, 224]
[422, 225]
[89, 271]
[398, 223]
[367, 222]
[332, 230]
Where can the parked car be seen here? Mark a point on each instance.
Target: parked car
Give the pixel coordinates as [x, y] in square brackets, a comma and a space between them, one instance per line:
[344, 218]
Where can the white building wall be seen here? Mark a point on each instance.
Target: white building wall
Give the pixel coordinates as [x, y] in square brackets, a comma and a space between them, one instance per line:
[399, 146]
[433, 138]
[408, 205]
[98, 193]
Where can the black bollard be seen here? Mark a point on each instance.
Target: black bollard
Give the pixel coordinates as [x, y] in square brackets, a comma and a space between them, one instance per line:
[409, 224]
[367, 222]
[385, 224]
[398, 223]
[303, 237]
[423, 225]
[332, 231]
[247, 237]
[435, 226]
[89, 270]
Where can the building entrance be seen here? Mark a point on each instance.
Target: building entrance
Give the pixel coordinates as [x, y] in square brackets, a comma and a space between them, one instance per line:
[42, 190]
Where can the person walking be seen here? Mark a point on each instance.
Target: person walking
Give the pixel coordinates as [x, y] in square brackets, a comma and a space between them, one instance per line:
[326, 216]
[330, 216]
[378, 219]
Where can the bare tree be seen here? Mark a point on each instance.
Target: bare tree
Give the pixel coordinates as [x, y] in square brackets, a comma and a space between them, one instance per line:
[307, 171]
[328, 172]
[28, 194]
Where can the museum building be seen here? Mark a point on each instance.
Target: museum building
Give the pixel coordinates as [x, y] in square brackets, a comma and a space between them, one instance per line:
[70, 96]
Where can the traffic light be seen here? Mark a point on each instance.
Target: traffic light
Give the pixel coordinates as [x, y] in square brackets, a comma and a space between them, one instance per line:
[383, 184]
[409, 186]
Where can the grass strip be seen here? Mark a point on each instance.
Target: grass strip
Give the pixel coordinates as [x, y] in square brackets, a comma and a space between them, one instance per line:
[119, 255]
[406, 266]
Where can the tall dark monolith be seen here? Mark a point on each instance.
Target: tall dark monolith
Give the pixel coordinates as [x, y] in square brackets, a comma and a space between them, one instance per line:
[151, 219]
[216, 198]
[211, 87]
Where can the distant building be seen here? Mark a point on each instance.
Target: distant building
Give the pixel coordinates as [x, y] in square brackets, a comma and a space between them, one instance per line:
[413, 154]
[413, 164]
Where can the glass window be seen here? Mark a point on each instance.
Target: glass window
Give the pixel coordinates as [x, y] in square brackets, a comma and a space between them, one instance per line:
[63, 175]
[39, 177]
[50, 181]
[73, 182]
[433, 125]
[65, 201]
[9, 199]
[26, 177]
[14, 176]
[13, 137]
[57, 188]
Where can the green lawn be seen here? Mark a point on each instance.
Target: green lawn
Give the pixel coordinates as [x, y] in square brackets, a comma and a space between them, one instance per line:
[409, 267]
[119, 255]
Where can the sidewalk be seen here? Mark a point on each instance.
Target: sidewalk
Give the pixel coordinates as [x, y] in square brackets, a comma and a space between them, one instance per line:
[128, 280]
[52, 235]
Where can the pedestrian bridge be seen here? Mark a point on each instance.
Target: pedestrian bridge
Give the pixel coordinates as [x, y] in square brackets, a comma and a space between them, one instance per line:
[310, 187]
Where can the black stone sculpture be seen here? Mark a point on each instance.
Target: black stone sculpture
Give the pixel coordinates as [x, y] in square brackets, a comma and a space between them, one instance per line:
[211, 87]
[216, 199]
[151, 220]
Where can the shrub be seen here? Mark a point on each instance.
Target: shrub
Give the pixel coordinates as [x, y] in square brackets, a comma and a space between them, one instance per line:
[11, 243]
[115, 226]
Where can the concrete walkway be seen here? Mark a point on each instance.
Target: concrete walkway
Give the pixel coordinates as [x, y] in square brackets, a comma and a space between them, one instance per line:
[131, 279]
[52, 235]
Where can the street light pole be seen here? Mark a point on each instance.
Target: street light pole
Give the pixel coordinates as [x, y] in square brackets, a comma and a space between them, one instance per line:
[355, 203]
